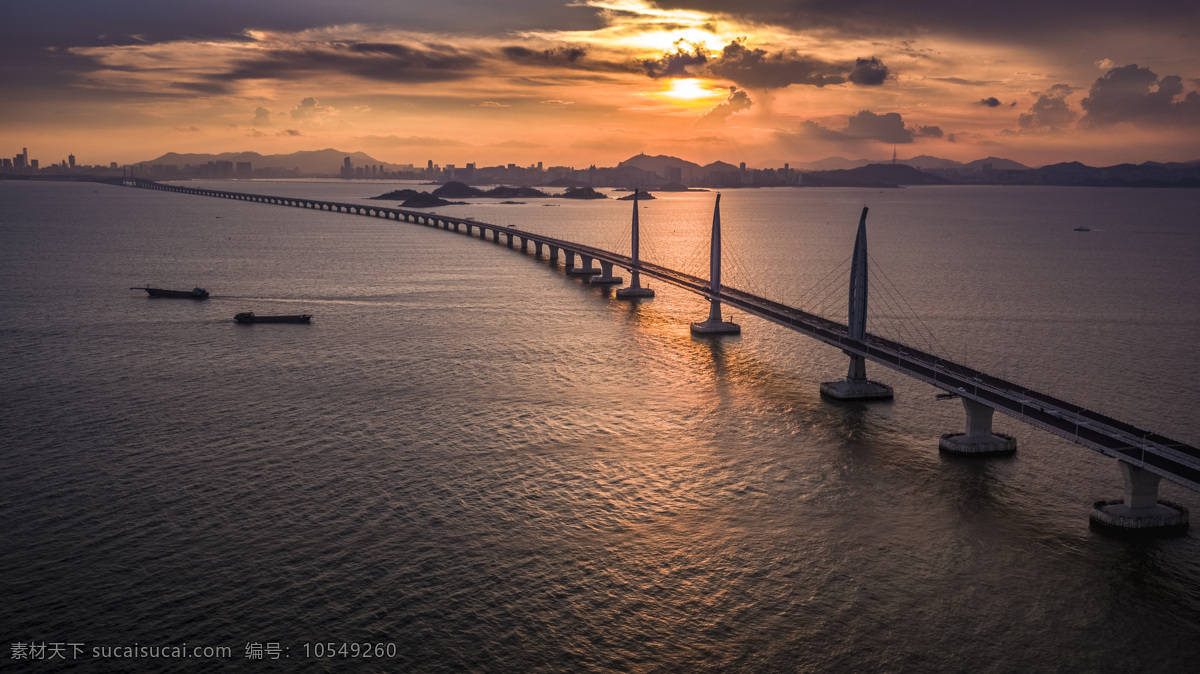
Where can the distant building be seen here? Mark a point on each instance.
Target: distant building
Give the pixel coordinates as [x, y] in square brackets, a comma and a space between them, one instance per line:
[244, 170]
[71, 160]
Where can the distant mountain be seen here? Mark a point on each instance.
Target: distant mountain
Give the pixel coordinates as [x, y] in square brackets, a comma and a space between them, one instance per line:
[872, 175]
[924, 161]
[324, 162]
[658, 163]
[835, 164]
[719, 166]
[998, 164]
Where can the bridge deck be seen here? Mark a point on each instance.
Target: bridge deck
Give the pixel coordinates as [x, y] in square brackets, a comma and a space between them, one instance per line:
[1169, 458]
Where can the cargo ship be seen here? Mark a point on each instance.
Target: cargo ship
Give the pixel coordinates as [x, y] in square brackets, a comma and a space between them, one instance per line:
[249, 317]
[193, 294]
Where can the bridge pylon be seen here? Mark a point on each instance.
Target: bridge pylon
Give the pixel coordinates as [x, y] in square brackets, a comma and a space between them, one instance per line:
[635, 289]
[715, 325]
[856, 386]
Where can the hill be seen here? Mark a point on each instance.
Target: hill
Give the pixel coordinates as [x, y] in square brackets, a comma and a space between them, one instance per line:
[872, 175]
[323, 162]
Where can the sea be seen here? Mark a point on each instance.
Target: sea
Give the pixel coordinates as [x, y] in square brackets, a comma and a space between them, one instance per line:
[471, 461]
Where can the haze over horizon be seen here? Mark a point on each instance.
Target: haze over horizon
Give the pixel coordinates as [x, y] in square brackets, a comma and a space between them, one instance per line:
[596, 81]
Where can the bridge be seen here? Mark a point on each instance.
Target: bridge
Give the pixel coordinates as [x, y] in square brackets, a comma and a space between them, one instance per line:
[1144, 457]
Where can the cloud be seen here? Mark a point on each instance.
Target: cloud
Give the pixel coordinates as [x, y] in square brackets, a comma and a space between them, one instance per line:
[990, 101]
[1050, 112]
[557, 56]
[187, 129]
[408, 141]
[736, 101]
[679, 63]
[887, 128]
[518, 144]
[492, 104]
[310, 109]
[262, 117]
[759, 69]
[866, 126]
[870, 72]
[290, 133]
[383, 61]
[1106, 64]
[557, 102]
[1133, 94]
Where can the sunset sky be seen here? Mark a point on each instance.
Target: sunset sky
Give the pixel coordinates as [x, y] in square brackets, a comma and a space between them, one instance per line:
[578, 82]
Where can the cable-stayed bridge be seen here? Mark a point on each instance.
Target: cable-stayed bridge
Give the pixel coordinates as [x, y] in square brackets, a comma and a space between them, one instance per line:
[1143, 456]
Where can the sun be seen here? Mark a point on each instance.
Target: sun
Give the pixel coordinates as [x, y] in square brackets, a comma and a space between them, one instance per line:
[690, 89]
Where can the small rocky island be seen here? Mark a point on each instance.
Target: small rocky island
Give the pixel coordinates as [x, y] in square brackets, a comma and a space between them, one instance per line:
[457, 190]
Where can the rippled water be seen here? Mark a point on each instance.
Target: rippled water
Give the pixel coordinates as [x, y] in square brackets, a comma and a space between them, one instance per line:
[496, 468]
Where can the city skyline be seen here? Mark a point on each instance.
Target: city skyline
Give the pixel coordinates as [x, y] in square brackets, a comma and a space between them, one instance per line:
[596, 81]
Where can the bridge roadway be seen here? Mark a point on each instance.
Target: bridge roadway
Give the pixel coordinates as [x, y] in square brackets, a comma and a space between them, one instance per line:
[1163, 456]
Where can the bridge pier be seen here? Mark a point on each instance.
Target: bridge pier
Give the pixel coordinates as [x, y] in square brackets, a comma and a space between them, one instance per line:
[537, 249]
[524, 245]
[856, 386]
[585, 267]
[635, 289]
[1141, 511]
[553, 254]
[715, 325]
[605, 277]
[979, 438]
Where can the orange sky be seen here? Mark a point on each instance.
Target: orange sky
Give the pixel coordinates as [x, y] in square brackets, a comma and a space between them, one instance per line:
[595, 81]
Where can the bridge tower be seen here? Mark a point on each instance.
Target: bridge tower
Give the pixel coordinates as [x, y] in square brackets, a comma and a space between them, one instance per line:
[715, 325]
[856, 386]
[635, 289]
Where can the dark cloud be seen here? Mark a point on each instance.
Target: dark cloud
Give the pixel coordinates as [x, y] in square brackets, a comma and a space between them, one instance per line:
[291, 133]
[206, 88]
[869, 72]
[759, 69]
[262, 117]
[990, 101]
[371, 60]
[558, 56]
[1133, 94]
[963, 82]
[1050, 112]
[868, 126]
[887, 128]
[736, 101]
[1031, 22]
[679, 63]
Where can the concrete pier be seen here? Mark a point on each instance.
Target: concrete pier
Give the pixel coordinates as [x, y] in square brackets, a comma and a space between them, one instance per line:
[635, 289]
[605, 277]
[585, 267]
[979, 438]
[1141, 511]
[715, 324]
[856, 386]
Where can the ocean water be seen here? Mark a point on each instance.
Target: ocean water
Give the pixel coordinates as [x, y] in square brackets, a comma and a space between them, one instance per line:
[482, 464]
